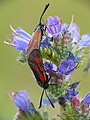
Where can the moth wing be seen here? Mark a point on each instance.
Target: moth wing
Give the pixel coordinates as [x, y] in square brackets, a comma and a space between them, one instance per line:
[36, 65]
[35, 41]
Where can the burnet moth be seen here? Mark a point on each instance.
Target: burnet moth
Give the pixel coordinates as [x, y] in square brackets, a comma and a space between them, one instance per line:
[35, 59]
[36, 64]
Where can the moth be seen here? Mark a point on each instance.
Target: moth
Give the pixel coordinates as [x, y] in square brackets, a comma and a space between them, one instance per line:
[36, 64]
[35, 59]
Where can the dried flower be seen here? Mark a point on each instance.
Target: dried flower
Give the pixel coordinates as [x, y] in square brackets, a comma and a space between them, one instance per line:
[76, 102]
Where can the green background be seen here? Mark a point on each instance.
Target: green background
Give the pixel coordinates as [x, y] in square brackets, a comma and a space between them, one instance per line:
[25, 13]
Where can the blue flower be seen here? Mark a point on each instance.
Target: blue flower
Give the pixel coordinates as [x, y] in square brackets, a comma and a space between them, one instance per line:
[73, 29]
[70, 93]
[23, 34]
[22, 101]
[73, 85]
[48, 66]
[66, 67]
[47, 102]
[45, 43]
[53, 26]
[62, 101]
[86, 99]
[19, 43]
[72, 57]
[85, 41]
[20, 39]
[65, 27]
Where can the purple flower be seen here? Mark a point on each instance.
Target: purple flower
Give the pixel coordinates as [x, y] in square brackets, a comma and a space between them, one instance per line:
[23, 34]
[85, 41]
[46, 101]
[53, 26]
[73, 29]
[86, 99]
[65, 27]
[70, 93]
[45, 43]
[72, 57]
[22, 101]
[73, 85]
[20, 39]
[49, 66]
[66, 67]
[19, 43]
[62, 101]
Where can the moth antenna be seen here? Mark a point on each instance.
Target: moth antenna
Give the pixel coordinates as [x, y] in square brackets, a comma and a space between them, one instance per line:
[41, 99]
[49, 99]
[47, 5]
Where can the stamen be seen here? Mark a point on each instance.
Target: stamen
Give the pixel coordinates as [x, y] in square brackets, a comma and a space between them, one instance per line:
[14, 31]
[71, 25]
[72, 20]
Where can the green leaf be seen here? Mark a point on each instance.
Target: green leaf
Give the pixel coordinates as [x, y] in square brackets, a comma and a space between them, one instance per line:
[27, 116]
[45, 115]
[22, 58]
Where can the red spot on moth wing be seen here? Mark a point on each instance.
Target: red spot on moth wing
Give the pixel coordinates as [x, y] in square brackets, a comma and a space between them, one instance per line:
[41, 77]
[35, 67]
[41, 69]
[38, 60]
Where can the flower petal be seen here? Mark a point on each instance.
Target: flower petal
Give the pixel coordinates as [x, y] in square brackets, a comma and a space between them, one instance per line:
[85, 41]
[53, 26]
[20, 43]
[66, 67]
[22, 101]
[86, 99]
[23, 33]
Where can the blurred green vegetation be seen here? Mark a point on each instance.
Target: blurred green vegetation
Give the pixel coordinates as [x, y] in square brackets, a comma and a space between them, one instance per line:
[26, 13]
